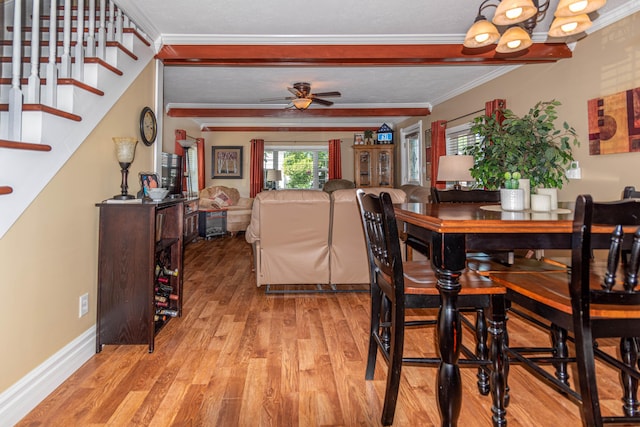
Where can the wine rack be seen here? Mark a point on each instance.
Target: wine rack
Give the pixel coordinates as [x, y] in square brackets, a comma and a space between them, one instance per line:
[139, 271]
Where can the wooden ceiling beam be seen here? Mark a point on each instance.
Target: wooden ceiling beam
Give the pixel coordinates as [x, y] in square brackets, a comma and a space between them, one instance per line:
[276, 128]
[355, 55]
[296, 114]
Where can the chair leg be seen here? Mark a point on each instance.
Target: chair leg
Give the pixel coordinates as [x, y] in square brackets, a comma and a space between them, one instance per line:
[500, 361]
[376, 301]
[395, 365]
[482, 351]
[560, 349]
[629, 353]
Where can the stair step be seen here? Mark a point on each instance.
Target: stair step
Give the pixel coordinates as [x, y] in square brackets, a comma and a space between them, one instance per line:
[5, 189]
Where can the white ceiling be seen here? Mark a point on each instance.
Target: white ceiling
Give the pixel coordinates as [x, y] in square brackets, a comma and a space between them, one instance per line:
[330, 22]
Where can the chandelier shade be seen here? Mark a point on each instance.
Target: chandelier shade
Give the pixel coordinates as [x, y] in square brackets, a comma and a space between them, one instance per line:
[511, 12]
[578, 7]
[513, 40]
[482, 33]
[569, 25]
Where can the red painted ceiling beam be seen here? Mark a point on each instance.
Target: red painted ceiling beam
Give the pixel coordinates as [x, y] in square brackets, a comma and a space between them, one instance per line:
[293, 113]
[355, 55]
[285, 129]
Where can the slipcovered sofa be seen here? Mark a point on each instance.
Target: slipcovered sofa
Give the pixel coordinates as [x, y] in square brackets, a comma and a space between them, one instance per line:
[238, 208]
[310, 237]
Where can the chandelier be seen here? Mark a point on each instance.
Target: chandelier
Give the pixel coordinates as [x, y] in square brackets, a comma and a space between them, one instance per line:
[520, 17]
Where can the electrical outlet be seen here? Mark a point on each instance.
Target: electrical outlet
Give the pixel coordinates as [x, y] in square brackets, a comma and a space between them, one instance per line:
[84, 305]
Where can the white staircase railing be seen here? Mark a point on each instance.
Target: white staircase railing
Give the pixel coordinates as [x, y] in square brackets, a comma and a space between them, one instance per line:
[77, 81]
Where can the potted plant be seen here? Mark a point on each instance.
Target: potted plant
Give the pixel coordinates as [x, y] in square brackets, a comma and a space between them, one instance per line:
[531, 145]
[368, 137]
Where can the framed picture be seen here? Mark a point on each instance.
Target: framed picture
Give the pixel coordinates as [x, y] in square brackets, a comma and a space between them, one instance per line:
[226, 162]
[148, 180]
[358, 138]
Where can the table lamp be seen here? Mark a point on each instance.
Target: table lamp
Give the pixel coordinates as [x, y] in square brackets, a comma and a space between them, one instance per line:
[273, 176]
[455, 168]
[125, 152]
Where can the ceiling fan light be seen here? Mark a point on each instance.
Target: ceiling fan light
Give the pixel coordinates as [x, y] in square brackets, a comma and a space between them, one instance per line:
[301, 103]
[570, 25]
[577, 7]
[482, 33]
[511, 12]
[514, 39]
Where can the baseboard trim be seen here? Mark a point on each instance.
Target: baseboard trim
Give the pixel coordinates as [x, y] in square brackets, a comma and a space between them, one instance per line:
[19, 399]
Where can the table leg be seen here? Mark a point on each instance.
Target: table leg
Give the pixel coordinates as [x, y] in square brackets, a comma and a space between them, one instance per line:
[448, 260]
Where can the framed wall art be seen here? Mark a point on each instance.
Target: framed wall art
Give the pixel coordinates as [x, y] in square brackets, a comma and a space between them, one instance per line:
[614, 123]
[226, 162]
[148, 180]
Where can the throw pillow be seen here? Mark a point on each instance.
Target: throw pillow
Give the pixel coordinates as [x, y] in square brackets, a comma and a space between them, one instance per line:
[221, 199]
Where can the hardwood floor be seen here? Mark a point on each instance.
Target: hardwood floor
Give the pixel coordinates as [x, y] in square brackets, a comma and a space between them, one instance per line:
[239, 357]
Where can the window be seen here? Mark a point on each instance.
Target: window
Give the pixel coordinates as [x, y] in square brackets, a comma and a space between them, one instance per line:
[412, 155]
[302, 167]
[459, 137]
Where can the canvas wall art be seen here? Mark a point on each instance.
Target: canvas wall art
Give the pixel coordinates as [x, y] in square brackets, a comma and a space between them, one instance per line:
[614, 123]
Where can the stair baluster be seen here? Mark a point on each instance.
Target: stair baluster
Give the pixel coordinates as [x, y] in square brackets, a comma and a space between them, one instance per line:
[33, 85]
[51, 87]
[65, 60]
[15, 93]
[78, 69]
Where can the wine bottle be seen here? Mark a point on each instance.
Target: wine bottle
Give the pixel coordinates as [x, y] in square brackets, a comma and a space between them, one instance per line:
[168, 311]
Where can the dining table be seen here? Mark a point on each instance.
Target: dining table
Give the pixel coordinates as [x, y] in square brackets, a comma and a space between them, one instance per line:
[450, 231]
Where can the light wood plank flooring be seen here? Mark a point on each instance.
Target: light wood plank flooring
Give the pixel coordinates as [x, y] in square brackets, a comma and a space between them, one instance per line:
[239, 357]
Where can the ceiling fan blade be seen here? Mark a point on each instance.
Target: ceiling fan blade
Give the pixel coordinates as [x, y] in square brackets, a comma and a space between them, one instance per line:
[322, 101]
[288, 98]
[296, 92]
[326, 94]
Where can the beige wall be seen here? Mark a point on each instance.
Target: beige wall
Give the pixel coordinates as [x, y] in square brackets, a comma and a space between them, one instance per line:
[49, 257]
[604, 63]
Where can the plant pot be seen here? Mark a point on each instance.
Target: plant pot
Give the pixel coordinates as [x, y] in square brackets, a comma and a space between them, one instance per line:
[512, 199]
[552, 193]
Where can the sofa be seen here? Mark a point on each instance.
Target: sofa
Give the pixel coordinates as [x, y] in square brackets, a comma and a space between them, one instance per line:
[310, 237]
[416, 193]
[238, 208]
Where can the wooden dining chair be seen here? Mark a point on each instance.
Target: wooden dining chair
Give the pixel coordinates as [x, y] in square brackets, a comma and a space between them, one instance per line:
[397, 286]
[630, 192]
[597, 299]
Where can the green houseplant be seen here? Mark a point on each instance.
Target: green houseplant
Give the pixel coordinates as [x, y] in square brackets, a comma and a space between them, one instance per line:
[531, 145]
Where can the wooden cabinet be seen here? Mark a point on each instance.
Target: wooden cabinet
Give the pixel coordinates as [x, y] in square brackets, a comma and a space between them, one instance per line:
[373, 165]
[139, 270]
[190, 220]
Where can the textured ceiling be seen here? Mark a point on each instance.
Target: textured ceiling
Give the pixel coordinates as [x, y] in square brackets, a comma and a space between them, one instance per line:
[285, 23]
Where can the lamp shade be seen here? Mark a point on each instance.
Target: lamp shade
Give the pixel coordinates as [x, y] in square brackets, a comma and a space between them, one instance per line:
[482, 33]
[455, 168]
[274, 175]
[301, 103]
[569, 25]
[578, 7]
[513, 40]
[511, 12]
[125, 149]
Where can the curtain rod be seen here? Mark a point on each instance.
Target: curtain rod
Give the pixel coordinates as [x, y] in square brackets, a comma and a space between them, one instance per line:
[465, 115]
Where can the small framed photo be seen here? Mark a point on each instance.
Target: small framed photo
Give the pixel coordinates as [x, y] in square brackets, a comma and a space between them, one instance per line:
[148, 180]
[358, 139]
[226, 162]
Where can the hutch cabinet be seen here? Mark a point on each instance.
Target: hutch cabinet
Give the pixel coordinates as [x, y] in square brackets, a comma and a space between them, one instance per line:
[190, 220]
[373, 165]
[139, 270]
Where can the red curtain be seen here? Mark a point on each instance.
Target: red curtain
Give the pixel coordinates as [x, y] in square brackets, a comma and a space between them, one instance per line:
[438, 148]
[335, 159]
[256, 176]
[495, 106]
[200, 145]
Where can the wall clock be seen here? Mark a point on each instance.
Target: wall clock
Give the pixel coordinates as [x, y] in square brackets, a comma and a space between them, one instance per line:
[148, 126]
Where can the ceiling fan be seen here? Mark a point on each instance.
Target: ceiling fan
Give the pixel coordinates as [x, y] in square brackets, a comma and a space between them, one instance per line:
[304, 98]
